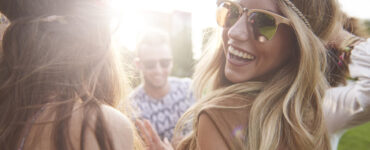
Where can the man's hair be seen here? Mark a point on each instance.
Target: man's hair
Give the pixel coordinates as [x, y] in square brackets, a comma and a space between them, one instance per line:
[152, 37]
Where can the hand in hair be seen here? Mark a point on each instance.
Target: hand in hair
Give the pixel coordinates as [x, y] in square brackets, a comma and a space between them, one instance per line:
[338, 37]
[151, 138]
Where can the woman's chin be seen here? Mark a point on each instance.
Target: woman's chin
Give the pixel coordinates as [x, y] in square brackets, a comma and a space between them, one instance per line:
[236, 78]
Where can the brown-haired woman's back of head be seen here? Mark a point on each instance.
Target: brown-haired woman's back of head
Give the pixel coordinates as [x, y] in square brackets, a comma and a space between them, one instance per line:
[60, 80]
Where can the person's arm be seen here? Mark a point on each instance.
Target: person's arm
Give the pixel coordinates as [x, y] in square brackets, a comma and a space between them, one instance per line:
[118, 127]
[209, 137]
[348, 106]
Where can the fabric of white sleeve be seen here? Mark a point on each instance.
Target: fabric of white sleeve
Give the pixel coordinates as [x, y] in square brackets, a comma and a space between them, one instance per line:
[348, 106]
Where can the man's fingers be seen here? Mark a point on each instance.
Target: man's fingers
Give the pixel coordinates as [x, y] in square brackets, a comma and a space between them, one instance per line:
[166, 141]
[167, 144]
[144, 133]
[153, 134]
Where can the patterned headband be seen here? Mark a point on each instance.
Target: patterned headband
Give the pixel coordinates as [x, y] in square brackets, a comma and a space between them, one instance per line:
[300, 14]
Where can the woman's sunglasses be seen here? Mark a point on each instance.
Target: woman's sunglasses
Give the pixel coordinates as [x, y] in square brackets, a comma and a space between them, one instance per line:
[264, 23]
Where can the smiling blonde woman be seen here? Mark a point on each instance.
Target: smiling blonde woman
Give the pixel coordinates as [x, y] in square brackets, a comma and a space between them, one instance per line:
[263, 86]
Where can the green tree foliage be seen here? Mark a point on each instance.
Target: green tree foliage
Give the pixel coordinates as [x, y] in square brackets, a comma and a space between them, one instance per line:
[356, 139]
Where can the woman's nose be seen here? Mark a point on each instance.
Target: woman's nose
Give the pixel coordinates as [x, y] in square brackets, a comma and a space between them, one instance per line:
[239, 31]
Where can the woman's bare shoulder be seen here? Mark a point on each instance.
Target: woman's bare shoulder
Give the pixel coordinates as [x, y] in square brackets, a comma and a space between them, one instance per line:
[120, 127]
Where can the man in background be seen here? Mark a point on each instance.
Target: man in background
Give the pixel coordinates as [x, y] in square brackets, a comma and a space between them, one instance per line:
[160, 98]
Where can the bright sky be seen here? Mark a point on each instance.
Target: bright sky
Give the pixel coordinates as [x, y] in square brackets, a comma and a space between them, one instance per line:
[202, 14]
[357, 8]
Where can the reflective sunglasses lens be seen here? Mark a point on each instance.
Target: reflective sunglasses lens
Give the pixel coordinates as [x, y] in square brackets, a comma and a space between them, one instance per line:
[227, 14]
[264, 26]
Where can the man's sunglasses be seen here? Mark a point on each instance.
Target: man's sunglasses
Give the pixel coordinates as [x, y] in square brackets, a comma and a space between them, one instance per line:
[264, 23]
[151, 64]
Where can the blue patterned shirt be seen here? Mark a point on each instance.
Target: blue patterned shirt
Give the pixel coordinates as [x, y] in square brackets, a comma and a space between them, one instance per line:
[163, 113]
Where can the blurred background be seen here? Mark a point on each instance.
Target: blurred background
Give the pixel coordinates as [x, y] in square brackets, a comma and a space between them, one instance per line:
[190, 24]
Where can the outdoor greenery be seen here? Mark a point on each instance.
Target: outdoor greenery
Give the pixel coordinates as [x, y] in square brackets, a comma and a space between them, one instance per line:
[356, 139]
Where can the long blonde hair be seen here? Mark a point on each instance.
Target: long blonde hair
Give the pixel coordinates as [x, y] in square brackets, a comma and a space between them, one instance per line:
[286, 109]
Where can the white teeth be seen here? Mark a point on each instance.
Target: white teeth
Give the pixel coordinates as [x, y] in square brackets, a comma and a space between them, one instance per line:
[241, 54]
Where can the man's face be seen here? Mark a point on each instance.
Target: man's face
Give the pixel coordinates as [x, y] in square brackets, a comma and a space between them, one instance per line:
[155, 62]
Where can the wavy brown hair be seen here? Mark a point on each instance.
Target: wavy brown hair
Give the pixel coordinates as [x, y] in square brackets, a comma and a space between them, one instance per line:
[57, 61]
